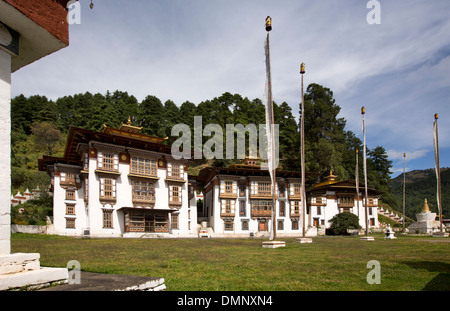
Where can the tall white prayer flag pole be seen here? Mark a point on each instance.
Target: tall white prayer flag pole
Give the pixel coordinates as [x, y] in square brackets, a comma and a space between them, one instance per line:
[357, 181]
[404, 190]
[438, 169]
[302, 138]
[270, 128]
[363, 112]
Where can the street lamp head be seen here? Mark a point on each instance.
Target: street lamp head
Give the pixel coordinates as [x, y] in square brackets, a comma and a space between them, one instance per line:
[302, 68]
[363, 110]
[268, 23]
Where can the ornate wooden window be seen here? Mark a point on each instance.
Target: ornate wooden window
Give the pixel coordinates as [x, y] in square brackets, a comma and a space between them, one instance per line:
[70, 195]
[175, 195]
[294, 224]
[174, 221]
[261, 208]
[228, 224]
[242, 189]
[295, 208]
[227, 207]
[280, 225]
[107, 188]
[245, 224]
[108, 161]
[175, 171]
[69, 179]
[264, 188]
[297, 189]
[282, 208]
[107, 219]
[143, 191]
[70, 209]
[242, 211]
[281, 189]
[346, 201]
[228, 187]
[144, 166]
[70, 223]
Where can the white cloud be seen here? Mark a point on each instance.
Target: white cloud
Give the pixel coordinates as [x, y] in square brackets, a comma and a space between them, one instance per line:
[196, 50]
[398, 155]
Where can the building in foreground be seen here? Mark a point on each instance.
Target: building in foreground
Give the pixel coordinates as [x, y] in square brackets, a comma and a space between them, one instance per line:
[120, 183]
[29, 30]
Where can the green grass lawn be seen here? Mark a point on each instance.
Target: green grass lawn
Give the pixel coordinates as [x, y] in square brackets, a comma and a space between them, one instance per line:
[329, 264]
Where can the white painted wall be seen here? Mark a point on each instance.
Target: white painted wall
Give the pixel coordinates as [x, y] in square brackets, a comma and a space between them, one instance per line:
[5, 149]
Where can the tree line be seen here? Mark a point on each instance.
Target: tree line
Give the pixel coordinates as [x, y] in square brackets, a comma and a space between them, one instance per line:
[40, 126]
[422, 187]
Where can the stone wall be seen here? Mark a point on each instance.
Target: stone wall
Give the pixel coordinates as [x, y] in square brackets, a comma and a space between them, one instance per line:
[28, 229]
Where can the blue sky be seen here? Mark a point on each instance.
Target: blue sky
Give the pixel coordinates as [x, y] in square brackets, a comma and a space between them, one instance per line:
[198, 49]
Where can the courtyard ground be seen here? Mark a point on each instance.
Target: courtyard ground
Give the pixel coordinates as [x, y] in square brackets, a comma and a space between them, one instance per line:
[408, 263]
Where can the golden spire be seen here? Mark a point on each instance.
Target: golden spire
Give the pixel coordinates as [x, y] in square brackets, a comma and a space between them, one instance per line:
[425, 208]
[331, 177]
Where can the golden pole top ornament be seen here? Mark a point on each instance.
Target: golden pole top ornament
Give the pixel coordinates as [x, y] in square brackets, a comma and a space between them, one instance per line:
[363, 110]
[268, 23]
[302, 68]
[436, 116]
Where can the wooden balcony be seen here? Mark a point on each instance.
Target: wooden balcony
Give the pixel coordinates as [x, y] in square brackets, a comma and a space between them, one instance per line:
[179, 179]
[261, 213]
[346, 202]
[227, 214]
[263, 195]
[139, 200]
[228, 195]
[295, 196]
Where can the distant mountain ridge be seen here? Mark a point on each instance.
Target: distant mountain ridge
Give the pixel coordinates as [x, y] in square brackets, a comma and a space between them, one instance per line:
[421, 185]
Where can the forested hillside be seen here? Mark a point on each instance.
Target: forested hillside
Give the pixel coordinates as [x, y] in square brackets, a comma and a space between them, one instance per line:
[421, 185]
[40, 126]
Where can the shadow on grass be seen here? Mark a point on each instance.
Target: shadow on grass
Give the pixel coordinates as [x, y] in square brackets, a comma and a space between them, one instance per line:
[441, 282]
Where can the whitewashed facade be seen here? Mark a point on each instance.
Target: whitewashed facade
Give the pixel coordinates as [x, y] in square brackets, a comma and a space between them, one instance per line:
[120, 190]
[238, 200]
[331, 197]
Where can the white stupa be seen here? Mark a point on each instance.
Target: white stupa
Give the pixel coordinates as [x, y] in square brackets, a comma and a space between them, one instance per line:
[426, 221]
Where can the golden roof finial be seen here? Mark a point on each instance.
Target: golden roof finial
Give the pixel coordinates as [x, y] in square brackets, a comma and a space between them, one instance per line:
[425, 208]
[331, 177]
